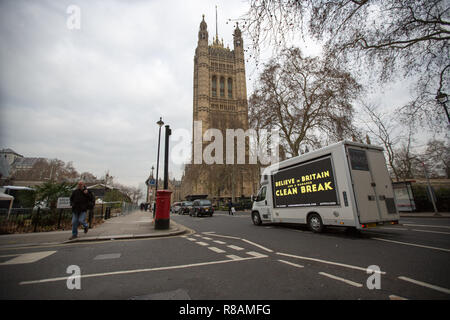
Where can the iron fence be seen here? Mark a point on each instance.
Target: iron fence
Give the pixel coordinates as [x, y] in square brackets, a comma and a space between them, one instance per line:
[23, 220]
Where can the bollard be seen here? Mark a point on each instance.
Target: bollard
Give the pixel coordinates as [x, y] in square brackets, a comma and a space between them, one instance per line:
[162, 215]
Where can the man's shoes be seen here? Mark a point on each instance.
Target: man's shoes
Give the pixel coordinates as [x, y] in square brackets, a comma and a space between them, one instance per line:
[86, 229]
[73, 237]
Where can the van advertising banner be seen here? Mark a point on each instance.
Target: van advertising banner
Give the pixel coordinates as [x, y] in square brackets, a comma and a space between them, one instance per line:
[308, 184]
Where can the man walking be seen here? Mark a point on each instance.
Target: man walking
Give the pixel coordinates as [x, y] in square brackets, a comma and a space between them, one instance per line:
[230, 207]
[80, 200]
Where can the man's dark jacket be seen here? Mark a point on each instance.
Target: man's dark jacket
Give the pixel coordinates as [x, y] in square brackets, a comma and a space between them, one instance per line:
[80, 201]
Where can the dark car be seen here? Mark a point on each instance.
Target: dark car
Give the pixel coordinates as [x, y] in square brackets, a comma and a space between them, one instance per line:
[202, 207]
[185, 207]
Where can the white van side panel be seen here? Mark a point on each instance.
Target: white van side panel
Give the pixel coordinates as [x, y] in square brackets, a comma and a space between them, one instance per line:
[343, 214]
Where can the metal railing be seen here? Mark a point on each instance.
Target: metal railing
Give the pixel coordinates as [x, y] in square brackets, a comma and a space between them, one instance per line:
[23, 220]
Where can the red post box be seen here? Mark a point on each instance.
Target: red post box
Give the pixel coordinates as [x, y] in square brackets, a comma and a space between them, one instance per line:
[162, 215]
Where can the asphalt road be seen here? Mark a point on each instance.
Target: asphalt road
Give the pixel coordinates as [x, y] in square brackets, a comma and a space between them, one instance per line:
[228, 258]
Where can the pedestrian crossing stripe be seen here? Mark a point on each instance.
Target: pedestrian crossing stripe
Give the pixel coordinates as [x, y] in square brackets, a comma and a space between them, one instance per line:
[28, 258]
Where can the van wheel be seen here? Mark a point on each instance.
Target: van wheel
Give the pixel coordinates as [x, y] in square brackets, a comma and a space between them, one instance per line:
[256, 219]
[315, 223]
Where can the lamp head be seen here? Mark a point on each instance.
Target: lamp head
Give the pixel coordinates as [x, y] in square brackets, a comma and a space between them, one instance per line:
[160, 122]
[441, 97]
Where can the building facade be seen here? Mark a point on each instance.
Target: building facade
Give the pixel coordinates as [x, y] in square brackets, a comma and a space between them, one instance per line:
[219, 102]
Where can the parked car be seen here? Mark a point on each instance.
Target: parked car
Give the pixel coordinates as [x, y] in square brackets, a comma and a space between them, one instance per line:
[201, 207]
[175, 207]
[185, 207]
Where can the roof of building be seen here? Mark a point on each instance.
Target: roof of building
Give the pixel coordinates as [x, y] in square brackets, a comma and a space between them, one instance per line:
[26, 161]
[8, 150]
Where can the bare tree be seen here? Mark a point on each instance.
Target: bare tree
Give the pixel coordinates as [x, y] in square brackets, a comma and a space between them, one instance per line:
[437, 158]
[304, 97]
[382, 126]
[404, 37]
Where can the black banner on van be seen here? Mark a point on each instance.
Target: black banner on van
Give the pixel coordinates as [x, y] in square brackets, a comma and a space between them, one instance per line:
[308, 184]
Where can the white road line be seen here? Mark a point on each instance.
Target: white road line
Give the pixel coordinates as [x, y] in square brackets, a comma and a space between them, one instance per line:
[108, 256]
[328, 262]
[221, 236]
[424, 225]
[256, 254]
[28, 258]
[233, 257]
[291, 264]
[138, 270]
[385, 228]
[219, 242]
[355, 284]
[430, 231]
[424, 284]
[202, 243]
[257, 245]
[206, 238]
[412, 244]
[394, 297]
[216, 249]
[235, 247]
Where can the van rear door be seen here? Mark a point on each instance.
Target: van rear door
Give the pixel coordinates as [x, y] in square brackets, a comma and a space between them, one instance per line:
[383, 185]
[372, 185]
[363, 185]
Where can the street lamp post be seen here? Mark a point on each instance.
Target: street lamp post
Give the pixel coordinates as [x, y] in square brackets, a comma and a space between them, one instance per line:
[442, 98]
[430, 190]
[160, 123]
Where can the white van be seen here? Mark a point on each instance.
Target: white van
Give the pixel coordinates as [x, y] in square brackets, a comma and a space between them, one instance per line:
[345, 184]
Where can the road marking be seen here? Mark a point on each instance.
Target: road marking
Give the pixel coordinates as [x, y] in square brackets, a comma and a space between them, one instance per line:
[235, 247]
[140, 270]
[206, 238]
[424, 284]
[385, 228]
[216, 249]
[28, 258]
[292, 264]
[108, 256]
[248, 241]
[329, 262]
[218, 235]
[219, 242]
[394, 297]
[355, 284]
[202, 243]
[191, 239]
[197, 235]
[430, 231]
[232, 256]
[256, 254]
[424, 225]
[257, 245]
[412, 244]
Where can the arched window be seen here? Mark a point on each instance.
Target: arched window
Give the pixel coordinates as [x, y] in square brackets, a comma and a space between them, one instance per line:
[222, 87]
[214, 86]
[230, 88]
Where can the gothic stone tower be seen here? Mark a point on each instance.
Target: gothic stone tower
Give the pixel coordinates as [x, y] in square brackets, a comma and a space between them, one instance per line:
[220, 102]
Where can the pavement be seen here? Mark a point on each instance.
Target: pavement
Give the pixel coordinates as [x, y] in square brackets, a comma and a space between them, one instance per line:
[135, 225]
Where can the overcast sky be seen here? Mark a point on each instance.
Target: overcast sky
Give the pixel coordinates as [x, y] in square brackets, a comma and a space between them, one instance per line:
[93, 95]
